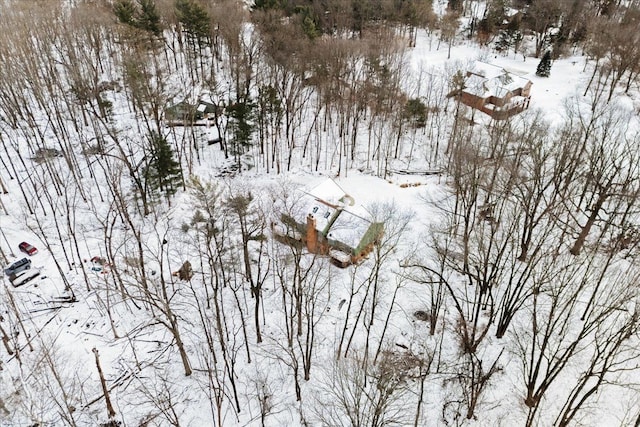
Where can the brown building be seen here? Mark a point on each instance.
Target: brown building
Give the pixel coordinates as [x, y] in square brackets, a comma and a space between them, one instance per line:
[329, 223]
[495, 91]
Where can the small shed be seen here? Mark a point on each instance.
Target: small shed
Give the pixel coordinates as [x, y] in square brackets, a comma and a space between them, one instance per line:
[206, 110]
[180, 114]
[185, 114]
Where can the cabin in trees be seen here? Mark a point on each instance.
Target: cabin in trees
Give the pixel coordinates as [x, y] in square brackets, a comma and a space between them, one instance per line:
[186, 114]
[328, 222]
[495, 91]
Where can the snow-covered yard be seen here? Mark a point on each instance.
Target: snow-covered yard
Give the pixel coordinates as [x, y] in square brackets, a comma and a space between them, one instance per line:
[503, 291]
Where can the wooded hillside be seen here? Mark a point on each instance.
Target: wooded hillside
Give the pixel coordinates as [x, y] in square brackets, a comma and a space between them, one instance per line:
[150, 148]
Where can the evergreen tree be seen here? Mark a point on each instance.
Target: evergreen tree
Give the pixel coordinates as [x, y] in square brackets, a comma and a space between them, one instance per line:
[125, 11]
[544, 67]
[149, 18]
[162, 171]
[455, 5]
[269, 5]
[510, 37]
[310, 27]
[194, 19]
[144, 16]
[504, 42]
[269, 110]
[241, 123]
[415, 111]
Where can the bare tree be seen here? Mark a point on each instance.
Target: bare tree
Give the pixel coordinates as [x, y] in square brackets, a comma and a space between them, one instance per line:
[609, 175]
[611, 351]
[252, 227]
[449, 24]
[163, 396]
[357, 394]
[556, 335]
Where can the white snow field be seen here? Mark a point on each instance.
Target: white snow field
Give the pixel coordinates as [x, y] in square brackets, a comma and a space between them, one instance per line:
[322, 345]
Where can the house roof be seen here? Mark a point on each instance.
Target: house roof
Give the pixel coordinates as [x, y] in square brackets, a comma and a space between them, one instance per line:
[205, 107]
[349, 228]
[329, 192]
[486, 80]
[184, 110]
[321, 212]
[335, 212]
[180, 109]
[322, 202]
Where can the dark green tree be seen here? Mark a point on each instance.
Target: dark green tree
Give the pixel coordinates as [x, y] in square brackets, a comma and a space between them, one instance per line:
[455, 5]
[162, 171]
[510, 36]
[143, 16]
[125, 11]
[309, 26]
[544, 67]
[149, 18]
[269, 113]
[194, 18]
[241, 123]
[267, 4]
[415, 111]
[196, 25]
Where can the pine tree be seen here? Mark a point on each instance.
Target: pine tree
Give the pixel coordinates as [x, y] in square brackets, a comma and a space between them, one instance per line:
[194, 18]
[145, 16]
[162, 171]
[455, 5]
[125, 11]
[544, 67]
[415, 111]
[504, 42]
[309, 27]
[149, 19]
[241, 115]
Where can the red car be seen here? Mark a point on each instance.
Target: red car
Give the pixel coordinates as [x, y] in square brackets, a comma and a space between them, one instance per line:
[28, 248]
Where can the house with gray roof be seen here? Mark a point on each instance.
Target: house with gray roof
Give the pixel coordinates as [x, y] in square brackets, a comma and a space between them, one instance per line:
[328, 222]
[495, 91]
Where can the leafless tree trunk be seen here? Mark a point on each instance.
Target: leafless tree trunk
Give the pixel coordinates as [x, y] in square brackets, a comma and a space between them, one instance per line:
[105, 391]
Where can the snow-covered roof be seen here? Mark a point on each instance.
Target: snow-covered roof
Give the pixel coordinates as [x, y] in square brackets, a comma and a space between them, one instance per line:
[321, 212]
[486, 70]
[328, 191]
[321, 202]
[349, 228]
[475, 84]
[327, 203]
[487, 80]
[340, 255]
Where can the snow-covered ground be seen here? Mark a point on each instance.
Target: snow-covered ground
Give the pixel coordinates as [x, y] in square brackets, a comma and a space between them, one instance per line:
[52, 376]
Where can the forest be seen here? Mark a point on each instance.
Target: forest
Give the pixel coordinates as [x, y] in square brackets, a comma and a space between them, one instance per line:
[150, 148]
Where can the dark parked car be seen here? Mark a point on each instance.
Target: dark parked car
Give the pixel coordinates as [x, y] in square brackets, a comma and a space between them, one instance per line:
[28, 248]
[18, 266]
[24, 277]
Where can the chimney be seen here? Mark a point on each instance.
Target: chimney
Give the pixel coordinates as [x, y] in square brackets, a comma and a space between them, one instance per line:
[312, 234]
